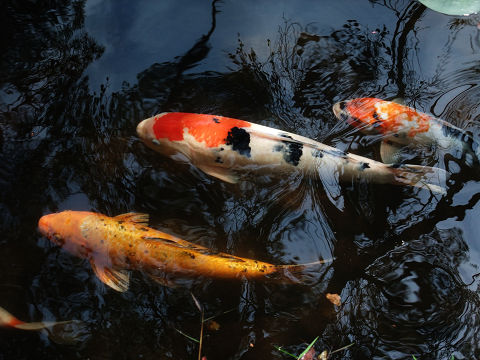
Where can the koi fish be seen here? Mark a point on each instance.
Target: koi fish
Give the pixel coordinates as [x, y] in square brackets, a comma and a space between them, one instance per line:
[114, 245]
[401, 125]
[8, 320]
[222, 147]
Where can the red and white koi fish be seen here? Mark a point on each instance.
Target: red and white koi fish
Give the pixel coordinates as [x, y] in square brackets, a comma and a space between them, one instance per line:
[223, 147]
[8, 320]
[402, 125]
[114, 245]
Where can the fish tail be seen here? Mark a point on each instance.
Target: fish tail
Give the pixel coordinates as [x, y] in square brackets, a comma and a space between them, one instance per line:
[424, 177]
[295, 274]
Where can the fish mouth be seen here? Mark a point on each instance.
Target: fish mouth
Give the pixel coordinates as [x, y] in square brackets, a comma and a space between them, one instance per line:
[44, 225]
[339, 109]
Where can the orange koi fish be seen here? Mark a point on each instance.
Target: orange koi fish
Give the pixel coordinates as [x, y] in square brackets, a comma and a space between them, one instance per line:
[401, 125]
[114, 245]
[223, 147]
[8, 320]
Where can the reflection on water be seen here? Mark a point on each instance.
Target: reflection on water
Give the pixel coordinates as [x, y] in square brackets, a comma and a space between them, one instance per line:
[405, 260]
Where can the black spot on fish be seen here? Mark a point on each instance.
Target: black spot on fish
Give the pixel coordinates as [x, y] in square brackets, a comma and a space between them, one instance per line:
[245, 270]
[240, 141]
[278, 148]
[293, 152]
[191, 255]
[221, 149]
[120, 221]
[317, 153]
[122, 227]
[364, 166]
[130, 245]
[261, 270]
[375, 115]
[219, 160]
[216, 121]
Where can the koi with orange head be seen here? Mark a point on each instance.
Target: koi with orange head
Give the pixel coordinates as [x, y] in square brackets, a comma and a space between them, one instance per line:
[115, 245]
[401, 125]
[226, 148]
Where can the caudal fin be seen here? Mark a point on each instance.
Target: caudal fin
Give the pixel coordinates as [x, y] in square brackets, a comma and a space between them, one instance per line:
[425, 177]
[295, 274]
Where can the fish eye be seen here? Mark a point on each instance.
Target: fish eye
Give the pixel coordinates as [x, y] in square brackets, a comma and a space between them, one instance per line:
[155, 141]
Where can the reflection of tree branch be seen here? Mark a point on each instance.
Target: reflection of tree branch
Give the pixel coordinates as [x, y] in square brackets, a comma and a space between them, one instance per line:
[198, 51]
[399, 53]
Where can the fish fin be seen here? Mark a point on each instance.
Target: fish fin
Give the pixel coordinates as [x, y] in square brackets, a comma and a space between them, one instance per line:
[390, 153]
[399, 100]
[162, 280]
[7, 319]
[425, 177]
[117, 279]
[220, 173]
[295, 274]
[138, 218]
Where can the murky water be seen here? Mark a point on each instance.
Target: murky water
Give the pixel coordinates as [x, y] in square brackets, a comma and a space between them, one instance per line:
[76, 78]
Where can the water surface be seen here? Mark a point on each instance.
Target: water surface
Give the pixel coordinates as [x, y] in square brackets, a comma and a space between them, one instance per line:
[77, 76]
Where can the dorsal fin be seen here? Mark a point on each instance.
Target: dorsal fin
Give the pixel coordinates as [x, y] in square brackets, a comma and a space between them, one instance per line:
[138, 218]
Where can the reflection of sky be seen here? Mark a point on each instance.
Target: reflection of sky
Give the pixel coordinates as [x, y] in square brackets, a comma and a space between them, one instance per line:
[137, 34]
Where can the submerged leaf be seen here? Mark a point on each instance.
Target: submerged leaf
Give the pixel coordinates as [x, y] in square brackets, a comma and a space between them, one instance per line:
[334, 299]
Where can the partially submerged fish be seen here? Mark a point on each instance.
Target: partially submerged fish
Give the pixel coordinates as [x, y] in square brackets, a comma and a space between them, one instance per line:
[114, 245]
[401, 125]
[223, 147]
[8, 320]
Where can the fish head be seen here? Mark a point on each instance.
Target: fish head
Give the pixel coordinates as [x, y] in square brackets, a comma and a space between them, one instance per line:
[362, 113]
[164, 134]
[63, 229]
[197, 136]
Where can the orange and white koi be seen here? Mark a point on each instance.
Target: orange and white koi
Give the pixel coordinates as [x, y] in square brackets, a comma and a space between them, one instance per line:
[8, 320]
[401, 125]
[114, 245]
[223, 147]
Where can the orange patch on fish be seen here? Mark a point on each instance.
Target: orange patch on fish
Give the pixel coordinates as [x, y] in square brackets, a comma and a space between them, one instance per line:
[387, 116]
[209, 129]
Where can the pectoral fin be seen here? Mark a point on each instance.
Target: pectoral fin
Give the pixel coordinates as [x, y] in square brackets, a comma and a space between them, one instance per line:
[118, 280]
[220, 173]
[138, 218]
[390, 153]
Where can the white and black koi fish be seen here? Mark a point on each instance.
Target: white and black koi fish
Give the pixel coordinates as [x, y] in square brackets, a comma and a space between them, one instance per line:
[402, 125]
[222, 147]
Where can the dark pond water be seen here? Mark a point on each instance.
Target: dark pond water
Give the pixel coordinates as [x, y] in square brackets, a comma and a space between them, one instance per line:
[76, 78]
